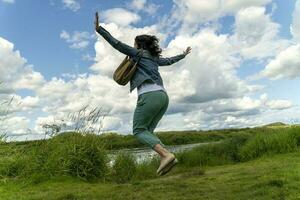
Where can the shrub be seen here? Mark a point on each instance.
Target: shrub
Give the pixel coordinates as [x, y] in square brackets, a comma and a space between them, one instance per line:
[75, 155]
[124, 168]
[81, 156]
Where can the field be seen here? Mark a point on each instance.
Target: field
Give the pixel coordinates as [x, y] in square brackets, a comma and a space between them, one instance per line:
[257, 163]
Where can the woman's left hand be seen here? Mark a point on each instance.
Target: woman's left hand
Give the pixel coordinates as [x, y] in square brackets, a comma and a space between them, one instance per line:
[187, 51]
[96, 21]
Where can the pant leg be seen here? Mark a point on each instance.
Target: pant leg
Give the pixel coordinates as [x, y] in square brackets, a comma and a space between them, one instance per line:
[148, 138]
[159, 115]
[148, 106]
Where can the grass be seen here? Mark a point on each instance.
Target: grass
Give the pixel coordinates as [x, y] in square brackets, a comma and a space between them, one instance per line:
[267, 178]
[271, 141]
[114, 141]
[72, 155]
[75, 159]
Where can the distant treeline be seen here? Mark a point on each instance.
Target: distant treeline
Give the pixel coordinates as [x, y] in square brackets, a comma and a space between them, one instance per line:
[115, 141]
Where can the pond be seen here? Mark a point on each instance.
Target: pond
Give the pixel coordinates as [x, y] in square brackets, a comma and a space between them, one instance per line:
[143, 154]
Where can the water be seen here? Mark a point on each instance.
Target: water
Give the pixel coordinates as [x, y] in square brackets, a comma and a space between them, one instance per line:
[144, 154]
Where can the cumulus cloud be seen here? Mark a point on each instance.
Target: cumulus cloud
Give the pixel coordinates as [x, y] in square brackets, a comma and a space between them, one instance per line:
[207, 93]
[16, 125]
[285, 65]
[14, 73]
[238, 112]
[77, 40]
[11, 61]
[142, 5]
[192, 13]
[73, 5]
[211, 68]
[120, 16]
[256, 35]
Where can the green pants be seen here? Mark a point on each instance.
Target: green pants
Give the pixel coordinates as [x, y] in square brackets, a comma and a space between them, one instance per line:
[150, 108]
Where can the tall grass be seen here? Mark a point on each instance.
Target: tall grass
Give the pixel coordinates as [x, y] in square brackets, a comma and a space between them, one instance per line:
[85, 156]
[124, 168]
[271, 141]
[213, 154]
[75, 155]
[242, 147]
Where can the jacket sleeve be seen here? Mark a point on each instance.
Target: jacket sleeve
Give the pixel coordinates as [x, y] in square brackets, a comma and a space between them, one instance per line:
[120, 46]
[169, 60]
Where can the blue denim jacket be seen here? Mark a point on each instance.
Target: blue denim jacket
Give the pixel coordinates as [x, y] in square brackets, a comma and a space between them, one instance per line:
[147, 69]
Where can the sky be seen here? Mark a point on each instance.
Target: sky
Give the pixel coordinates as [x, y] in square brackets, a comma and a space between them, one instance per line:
[243, 70]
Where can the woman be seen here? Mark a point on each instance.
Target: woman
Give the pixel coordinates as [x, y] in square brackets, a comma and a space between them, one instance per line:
[153, 99]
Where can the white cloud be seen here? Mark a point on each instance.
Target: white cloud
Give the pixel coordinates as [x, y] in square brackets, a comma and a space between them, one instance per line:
[120, 16]
[111, 123]
[77, 40]
[295, 26]
[14, 72]
[30, 102]
[142, 5]
[138, 4]
[279, 104]
[15, 104]
[256, 36]
[211, 67]
[207, 93]
[193, 13]
[73, 5]
[11, 61]
[285, 65]
[16, 125]
[239, 112]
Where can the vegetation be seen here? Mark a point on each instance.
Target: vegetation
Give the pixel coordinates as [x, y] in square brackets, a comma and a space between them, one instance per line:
[267, 178]
[77, 160]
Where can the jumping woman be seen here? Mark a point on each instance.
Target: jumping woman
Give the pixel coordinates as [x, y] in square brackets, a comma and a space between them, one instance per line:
[153, 100]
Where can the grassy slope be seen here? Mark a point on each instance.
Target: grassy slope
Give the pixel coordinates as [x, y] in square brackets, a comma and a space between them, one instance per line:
[269, 177]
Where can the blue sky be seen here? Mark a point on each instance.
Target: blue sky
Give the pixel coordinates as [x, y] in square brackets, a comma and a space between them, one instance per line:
[44, 32]
[34, 27]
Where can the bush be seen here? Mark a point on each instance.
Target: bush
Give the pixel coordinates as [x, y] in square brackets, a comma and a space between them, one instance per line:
[75, 155]
[124, 168]
[80, 156]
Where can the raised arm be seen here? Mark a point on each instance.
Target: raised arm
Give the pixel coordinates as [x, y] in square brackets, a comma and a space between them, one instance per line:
[120, 46]
[171, 60]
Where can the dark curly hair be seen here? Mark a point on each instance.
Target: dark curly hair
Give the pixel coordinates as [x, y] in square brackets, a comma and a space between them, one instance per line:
[150, 43]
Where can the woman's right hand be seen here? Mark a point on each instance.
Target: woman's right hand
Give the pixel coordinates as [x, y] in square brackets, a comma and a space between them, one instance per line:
[96, 22]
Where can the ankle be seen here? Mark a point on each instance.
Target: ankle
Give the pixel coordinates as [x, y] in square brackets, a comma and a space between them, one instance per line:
[165, 154]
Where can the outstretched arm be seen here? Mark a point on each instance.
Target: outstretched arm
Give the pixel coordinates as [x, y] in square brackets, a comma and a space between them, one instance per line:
[171, 60]
[120, 46]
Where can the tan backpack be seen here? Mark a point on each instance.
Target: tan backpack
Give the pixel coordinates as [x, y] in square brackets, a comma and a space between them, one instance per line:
[126, 69]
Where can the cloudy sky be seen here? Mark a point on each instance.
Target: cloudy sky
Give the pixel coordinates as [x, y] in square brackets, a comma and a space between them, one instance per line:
[243, 71]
